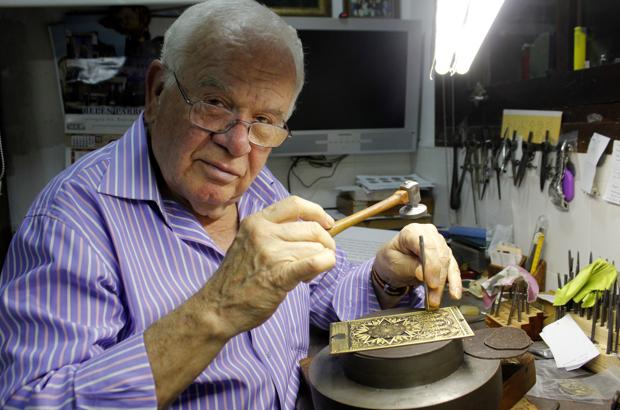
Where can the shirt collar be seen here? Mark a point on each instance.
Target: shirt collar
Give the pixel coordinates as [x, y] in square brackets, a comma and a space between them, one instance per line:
[130, 173]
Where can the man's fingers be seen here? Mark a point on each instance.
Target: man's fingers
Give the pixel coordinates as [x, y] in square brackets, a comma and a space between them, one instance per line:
[295, 208]
[306, 269]
[435, 251]
[454, 279]
[304, 232]
[301, 250]
[434, 297]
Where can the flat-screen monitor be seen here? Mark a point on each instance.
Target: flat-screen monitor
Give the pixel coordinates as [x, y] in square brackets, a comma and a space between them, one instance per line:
[362, 90]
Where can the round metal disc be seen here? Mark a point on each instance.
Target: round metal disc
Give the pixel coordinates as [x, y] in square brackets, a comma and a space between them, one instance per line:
[475, 384]
[509, 338]
[475, 346]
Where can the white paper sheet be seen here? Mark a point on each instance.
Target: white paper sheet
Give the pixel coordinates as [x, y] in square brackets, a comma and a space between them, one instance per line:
[612, 191]
[570, 346]
[596, 147]
[361, 244]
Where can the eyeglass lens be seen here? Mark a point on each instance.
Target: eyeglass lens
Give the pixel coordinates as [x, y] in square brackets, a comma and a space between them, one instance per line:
[219, 120]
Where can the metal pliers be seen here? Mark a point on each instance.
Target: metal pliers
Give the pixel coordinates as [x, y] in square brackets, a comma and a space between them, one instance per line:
[526, 159]
[545, 168]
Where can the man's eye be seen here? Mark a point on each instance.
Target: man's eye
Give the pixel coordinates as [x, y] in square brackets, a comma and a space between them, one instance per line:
[264, 120]
[216, 102]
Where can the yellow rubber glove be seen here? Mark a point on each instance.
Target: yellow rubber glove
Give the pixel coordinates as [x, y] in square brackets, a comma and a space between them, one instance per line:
[599, 275]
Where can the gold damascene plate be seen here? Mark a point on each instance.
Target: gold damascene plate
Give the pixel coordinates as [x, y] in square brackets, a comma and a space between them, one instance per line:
[402, 329]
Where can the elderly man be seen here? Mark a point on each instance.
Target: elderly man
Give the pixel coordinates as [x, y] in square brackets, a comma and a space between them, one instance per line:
[170, 267]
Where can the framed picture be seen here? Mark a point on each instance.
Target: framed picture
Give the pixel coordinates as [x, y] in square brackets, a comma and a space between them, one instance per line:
[300, 7]
[372, 8]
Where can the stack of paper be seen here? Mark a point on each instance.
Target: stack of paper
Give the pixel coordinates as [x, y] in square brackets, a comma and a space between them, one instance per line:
[571, 348]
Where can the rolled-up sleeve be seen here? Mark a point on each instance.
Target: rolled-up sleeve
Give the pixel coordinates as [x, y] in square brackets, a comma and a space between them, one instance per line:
[64, 338]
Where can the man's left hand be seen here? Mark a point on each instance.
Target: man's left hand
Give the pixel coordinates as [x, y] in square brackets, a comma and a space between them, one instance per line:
[398, 262]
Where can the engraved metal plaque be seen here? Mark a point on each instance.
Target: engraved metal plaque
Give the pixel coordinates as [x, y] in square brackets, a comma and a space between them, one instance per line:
[398, 330]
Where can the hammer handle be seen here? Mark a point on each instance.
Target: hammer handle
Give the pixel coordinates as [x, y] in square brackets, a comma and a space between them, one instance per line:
[400, 197]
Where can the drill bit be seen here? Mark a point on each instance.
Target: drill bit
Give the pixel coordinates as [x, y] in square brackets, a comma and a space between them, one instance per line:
[499, 300]
[610, 331]
[603, 308]
[594, 317]
[577, 268]
[519, 303]
[617, 324]
[512, 306]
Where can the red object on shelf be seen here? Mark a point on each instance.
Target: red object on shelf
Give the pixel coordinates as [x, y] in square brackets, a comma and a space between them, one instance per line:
[525, 61]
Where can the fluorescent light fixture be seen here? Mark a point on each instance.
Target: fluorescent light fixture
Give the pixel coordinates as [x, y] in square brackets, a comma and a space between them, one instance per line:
[460, 29]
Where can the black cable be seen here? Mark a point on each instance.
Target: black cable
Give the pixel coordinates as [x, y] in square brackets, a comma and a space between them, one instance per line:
[288, 174]
[315, 162]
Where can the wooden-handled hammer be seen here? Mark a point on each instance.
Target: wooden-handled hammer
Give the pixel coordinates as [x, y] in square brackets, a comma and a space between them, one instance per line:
[408, 195]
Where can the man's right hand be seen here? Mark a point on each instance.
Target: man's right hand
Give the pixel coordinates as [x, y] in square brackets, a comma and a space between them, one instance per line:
[274, 250]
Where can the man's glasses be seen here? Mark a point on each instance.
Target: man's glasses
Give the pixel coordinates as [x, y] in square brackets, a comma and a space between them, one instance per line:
[218, 120]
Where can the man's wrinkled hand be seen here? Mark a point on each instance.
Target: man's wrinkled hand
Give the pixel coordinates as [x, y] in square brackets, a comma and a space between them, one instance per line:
[398, 262]
[274, 250]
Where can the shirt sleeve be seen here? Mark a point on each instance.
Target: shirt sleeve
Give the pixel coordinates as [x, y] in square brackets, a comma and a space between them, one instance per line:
[346, 293]
[64, 340]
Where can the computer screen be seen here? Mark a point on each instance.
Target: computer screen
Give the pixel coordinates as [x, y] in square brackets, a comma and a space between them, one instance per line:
[362, 88]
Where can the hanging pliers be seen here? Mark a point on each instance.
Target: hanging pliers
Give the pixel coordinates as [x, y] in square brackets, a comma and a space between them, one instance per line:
[545, 168]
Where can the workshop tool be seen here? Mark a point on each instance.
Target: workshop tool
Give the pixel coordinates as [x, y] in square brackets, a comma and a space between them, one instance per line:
[617, 322]
[497, 343]
[474, 166]
[496, 164]
[517, 312]
[526, 158]
[577, 267]
[443, 375]
[594, 317]
[514, 162]
[486, 166]
[610, 330]
[455, 187]
[556, 191]
[408, 195]
[544, 161]
[512, 306]
[427, 306]
[499, 300]
[603, 309]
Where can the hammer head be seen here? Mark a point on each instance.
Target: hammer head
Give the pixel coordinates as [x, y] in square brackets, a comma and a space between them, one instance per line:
[413, 209]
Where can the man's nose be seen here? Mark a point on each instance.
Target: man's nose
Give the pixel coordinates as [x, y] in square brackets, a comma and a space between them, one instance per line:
[237, 139]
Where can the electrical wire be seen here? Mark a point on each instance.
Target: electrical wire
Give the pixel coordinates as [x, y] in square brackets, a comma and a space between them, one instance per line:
[315, 162]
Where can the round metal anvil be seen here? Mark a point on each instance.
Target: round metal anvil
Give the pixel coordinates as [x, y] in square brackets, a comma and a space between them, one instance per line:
[426, 376]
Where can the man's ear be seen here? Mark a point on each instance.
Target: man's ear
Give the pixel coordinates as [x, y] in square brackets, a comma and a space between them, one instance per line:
[154, 84]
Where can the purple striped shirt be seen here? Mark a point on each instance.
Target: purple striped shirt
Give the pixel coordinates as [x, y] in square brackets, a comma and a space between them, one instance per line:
[101, 255]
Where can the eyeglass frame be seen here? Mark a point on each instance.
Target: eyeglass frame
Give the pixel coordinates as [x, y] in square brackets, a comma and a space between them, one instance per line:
[232, 124]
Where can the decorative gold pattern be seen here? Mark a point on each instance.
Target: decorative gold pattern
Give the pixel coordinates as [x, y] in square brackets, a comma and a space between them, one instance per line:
[398, 330]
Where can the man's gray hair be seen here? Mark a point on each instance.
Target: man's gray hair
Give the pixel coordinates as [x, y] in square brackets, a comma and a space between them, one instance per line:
[223, 23]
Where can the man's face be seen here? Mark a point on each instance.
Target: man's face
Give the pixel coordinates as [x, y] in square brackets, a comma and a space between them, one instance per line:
[211, 171]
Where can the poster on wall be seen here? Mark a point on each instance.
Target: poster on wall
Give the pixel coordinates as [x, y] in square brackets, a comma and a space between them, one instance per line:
[101, 61]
